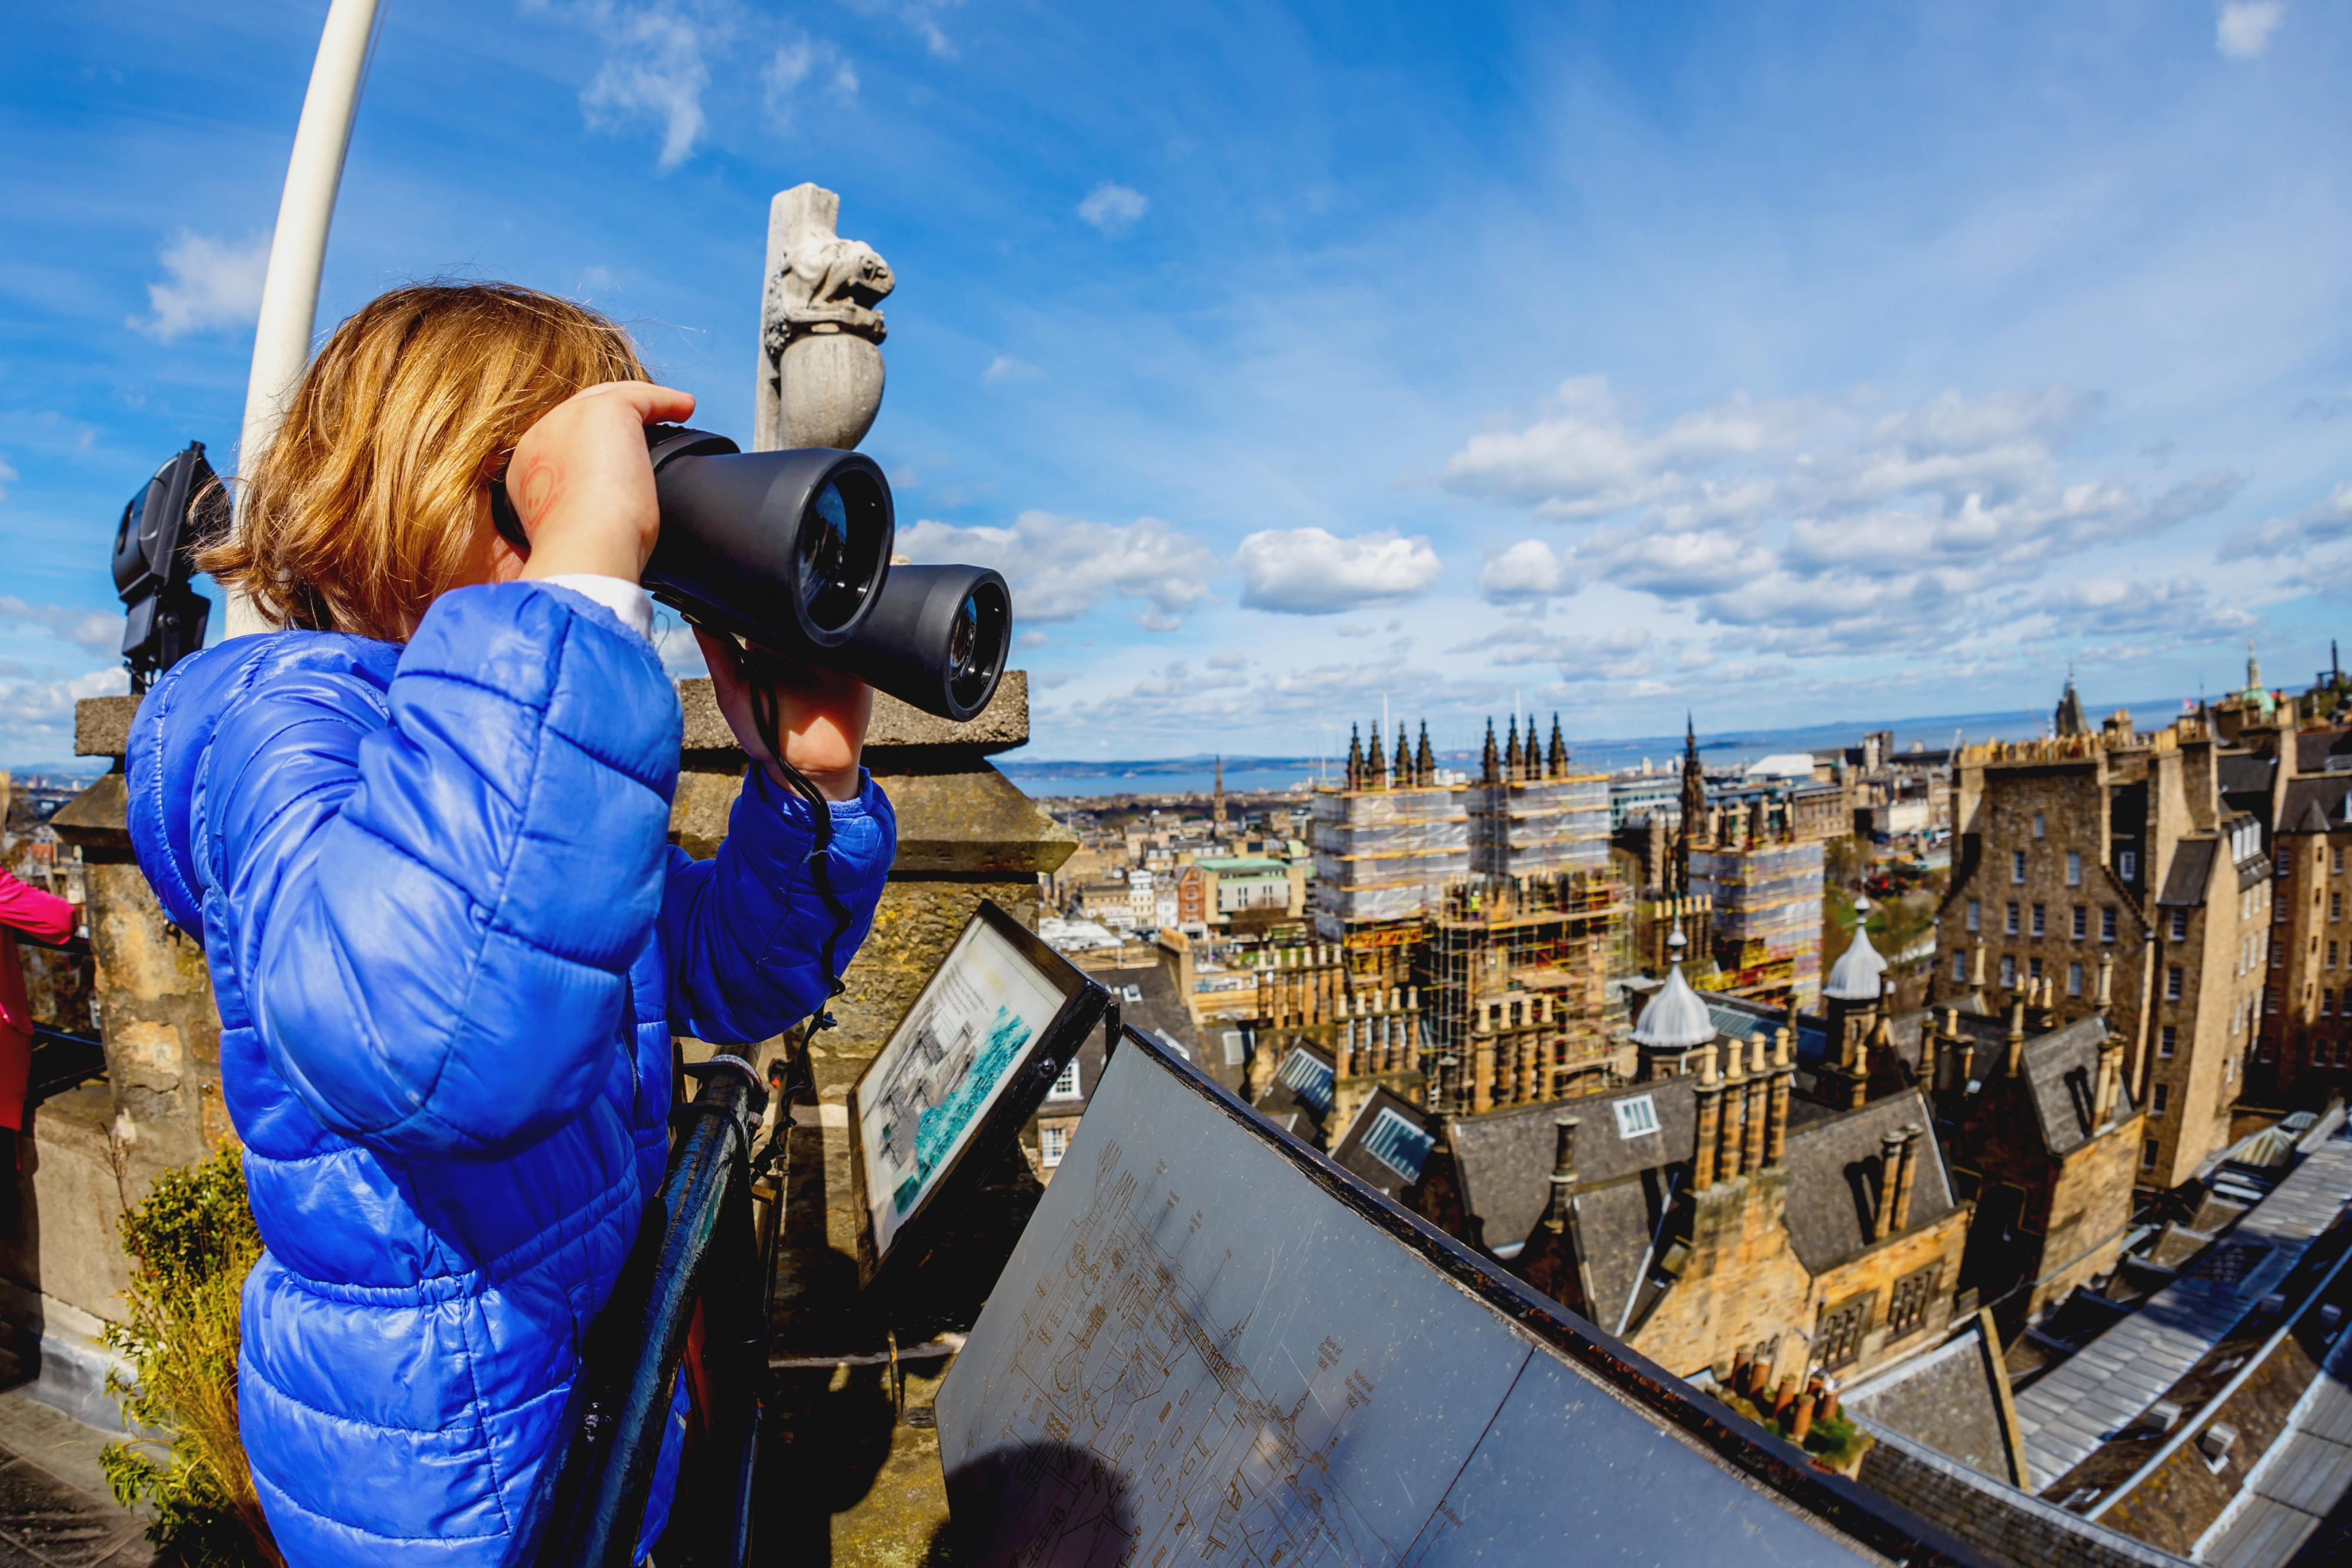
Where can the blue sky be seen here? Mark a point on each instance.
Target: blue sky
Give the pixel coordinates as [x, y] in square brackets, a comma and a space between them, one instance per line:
[1790, 363]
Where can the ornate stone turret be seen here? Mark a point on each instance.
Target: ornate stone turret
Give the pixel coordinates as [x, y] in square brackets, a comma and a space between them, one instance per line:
[1376, 762]
[1424, 760]
[1511, 752]
[1675, 1025]
[1355, 757]
[1490, 763]
[1556, 760]
[1403, 774]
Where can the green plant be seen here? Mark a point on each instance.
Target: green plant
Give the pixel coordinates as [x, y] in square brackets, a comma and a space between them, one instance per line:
[194, 1240]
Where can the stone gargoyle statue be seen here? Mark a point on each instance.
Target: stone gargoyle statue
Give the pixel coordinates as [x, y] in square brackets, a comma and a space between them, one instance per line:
[821, 372]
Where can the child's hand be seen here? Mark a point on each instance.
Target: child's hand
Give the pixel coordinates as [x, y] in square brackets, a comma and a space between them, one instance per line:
[821, 714]
[583, 485]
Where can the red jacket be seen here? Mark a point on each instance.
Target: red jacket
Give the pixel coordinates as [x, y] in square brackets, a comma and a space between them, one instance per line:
[37, 913]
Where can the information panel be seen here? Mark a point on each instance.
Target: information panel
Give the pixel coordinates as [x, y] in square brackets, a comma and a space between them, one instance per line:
[1211, 1345]
[932, 1086]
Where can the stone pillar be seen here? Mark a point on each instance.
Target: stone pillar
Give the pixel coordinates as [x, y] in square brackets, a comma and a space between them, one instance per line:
[1759, 1098]
[1775, 1126]
[1729, 1141]
[1482, 1073]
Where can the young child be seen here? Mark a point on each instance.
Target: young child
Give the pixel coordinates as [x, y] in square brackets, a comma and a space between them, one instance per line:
[424, 836]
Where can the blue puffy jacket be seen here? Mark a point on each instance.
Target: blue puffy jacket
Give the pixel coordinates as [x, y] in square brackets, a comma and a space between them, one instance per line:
[450, 944]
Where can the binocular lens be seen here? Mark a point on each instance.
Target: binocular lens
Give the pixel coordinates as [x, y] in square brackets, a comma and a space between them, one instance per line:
[976, 644]
[845, 534]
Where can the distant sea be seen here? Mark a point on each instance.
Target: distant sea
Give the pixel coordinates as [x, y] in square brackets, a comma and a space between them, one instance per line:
[1044, 779]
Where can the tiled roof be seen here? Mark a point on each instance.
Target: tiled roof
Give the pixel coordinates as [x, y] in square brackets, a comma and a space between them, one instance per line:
[1945, 1399]
[2061, 1070]
[2314, 805]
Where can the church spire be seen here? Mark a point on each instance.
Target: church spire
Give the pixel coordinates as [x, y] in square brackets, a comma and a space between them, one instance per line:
[1355, 757]
[1556, 760]
[1217, 795]
[1376, 762]
[1424, 760]
[1489, 762]
[1403, 761]
[1511, 752]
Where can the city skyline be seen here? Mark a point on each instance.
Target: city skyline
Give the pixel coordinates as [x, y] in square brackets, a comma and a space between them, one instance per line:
[1782, 366]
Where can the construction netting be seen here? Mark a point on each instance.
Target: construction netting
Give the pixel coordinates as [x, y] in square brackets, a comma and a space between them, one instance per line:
[1387, 854]
[1541, 826]
[1765, 919]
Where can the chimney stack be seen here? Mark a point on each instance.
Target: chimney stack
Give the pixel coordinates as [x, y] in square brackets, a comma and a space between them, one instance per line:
[2014, 1061]
[1911, 1141]
[1563, 1174]
[1776, 1116]
[1710, 1117]
[2107, 995]
[2111, 1052]
[1734, 1104]
[1890, 1172]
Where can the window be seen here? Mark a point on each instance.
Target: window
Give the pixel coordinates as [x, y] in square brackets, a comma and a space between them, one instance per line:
[2127, 864]
[1236, 1048]
[2074, 979]
[2270, 999]
[2074, 868]
[2033, 965]
[1839, 1339]
[2172, 978]
[1907, 1309]
[2011, 927]
[2107, 923]
[2037, 824]
[1973, 913]
[1637, 1116]
[2327, 1003]
[2082, 923]
[2181, 926]
[1959, 965]
[2148, 1156]
[2017, 865]
[2331, 955]
[1398, 1143]
[2160, 1102]
[2038, 922]
[2168, 1040]
[1308, 1079]
[1066, 1087]
[2339, 859]
[2008, 970]
[2334, 906]
[1053, 1143]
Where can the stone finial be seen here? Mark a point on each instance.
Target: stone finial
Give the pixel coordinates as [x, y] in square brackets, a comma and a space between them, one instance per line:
[819, 380]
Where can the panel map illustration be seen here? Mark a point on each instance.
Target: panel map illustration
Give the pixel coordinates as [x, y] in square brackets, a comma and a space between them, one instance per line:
[1198, 1355]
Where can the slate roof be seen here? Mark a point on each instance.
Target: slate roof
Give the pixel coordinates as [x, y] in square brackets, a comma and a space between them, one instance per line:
[2244, 773]
[2062, 1073]
[2314, 805]
[1833, 1174]
[2300, 1481]
[2191, 872]
[1945, 1399]
[2313, 749]
[1504, 1158]
[2105, 1386]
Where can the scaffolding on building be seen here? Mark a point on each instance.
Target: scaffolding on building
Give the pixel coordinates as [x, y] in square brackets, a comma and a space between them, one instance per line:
[1386, 855]
[1514, 988]
[1536, 827]
[1766, 933]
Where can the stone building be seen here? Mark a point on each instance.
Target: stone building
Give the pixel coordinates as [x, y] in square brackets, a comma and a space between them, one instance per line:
[1713, 1216]
[2125, 848]
[2304, 1055]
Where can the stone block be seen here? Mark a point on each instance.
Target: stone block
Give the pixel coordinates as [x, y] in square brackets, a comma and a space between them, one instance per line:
[103, 726]
[63, 1244]
[1000, 726]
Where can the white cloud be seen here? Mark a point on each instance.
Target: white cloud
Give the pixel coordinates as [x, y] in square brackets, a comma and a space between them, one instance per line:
[7, 476]
[1005, 369]
[1113, 208]
[36, 713]
[653, 69]
[797, 61]
[2242, 30]
[2325, 522]
[209, 283]
[1061, 567]
[1798, 520]
[99, 631]
[1622, 655]
[1312, 571]
[1528, 569]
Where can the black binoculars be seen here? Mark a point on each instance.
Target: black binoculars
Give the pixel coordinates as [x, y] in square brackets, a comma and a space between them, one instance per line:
[790, 550]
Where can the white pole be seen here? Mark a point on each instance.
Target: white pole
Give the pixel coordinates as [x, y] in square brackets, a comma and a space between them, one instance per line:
[290, 296]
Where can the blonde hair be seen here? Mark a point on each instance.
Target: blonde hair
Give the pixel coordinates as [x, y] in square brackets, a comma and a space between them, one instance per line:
[361, 510]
